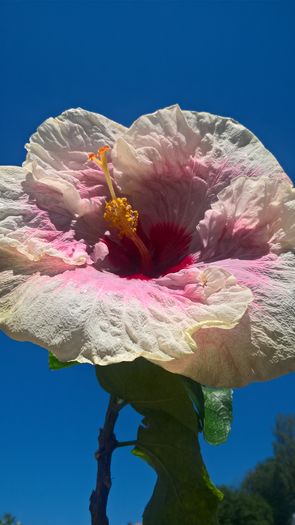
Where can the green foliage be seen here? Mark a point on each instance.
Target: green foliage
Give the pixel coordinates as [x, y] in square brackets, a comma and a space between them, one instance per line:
[55, 364]
[284, 449]
[261, 480]
[168, 441]
[268, 487]
[195, 393]
[214, 407]
[274, 479]
[7, 519]
[238, 508]
[147, 386]
[218, 414]
[175, 409]
[183, 493]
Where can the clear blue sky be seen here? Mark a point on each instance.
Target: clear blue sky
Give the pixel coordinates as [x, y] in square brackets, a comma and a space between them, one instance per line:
[123, 59]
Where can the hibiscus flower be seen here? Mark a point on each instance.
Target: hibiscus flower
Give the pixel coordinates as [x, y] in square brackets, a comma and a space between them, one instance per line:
[170, 240]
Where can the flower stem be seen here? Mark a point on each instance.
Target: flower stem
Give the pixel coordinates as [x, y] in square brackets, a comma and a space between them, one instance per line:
[131, 443]
[106, 445]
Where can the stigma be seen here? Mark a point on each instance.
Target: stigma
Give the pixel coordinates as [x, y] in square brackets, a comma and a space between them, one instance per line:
[119, 212]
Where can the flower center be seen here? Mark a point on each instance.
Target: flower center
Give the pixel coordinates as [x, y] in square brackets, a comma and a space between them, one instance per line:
[168, 245]
[119, 213]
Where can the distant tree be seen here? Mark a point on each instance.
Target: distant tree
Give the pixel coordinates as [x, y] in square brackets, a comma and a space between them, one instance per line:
[239, 508]
[7, 519]
[284, 451]
[274, 479]
[261, 480]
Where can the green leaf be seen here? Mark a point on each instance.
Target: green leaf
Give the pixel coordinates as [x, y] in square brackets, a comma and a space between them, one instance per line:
[214, 407]
[55, 364]
[195, 392]
[183, 493]
[168, 441]
[217, 414]
[148, 387]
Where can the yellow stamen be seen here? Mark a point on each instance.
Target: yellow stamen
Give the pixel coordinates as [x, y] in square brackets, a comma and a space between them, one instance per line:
[121, 216]
[118, 211]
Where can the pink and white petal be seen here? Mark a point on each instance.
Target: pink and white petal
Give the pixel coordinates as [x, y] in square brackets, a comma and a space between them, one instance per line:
[228, 149]
[153, 165]
[29, 234]
[178, 202]
[161, 144]
[62, 142]
[176, 143]
[219, 299]
[100, 318]
[251, 217]
[173, 163]
[262, 345]
[53, 193]
[58, 151]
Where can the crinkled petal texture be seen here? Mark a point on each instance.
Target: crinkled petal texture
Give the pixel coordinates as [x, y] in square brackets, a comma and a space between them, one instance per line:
[174, 163]
[261, 345]
[29, 234]
[204, 187]
[100, 318]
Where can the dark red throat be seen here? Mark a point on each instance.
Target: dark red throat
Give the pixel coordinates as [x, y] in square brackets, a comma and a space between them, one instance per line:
[167, 243]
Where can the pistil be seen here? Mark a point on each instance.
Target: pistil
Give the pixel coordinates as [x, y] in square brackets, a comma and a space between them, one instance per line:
[119, 213]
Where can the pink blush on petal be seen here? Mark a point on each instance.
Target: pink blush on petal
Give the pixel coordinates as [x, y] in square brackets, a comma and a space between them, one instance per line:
[251, 273]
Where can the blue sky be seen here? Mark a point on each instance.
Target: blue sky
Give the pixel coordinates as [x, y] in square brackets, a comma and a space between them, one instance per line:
[123, 59]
